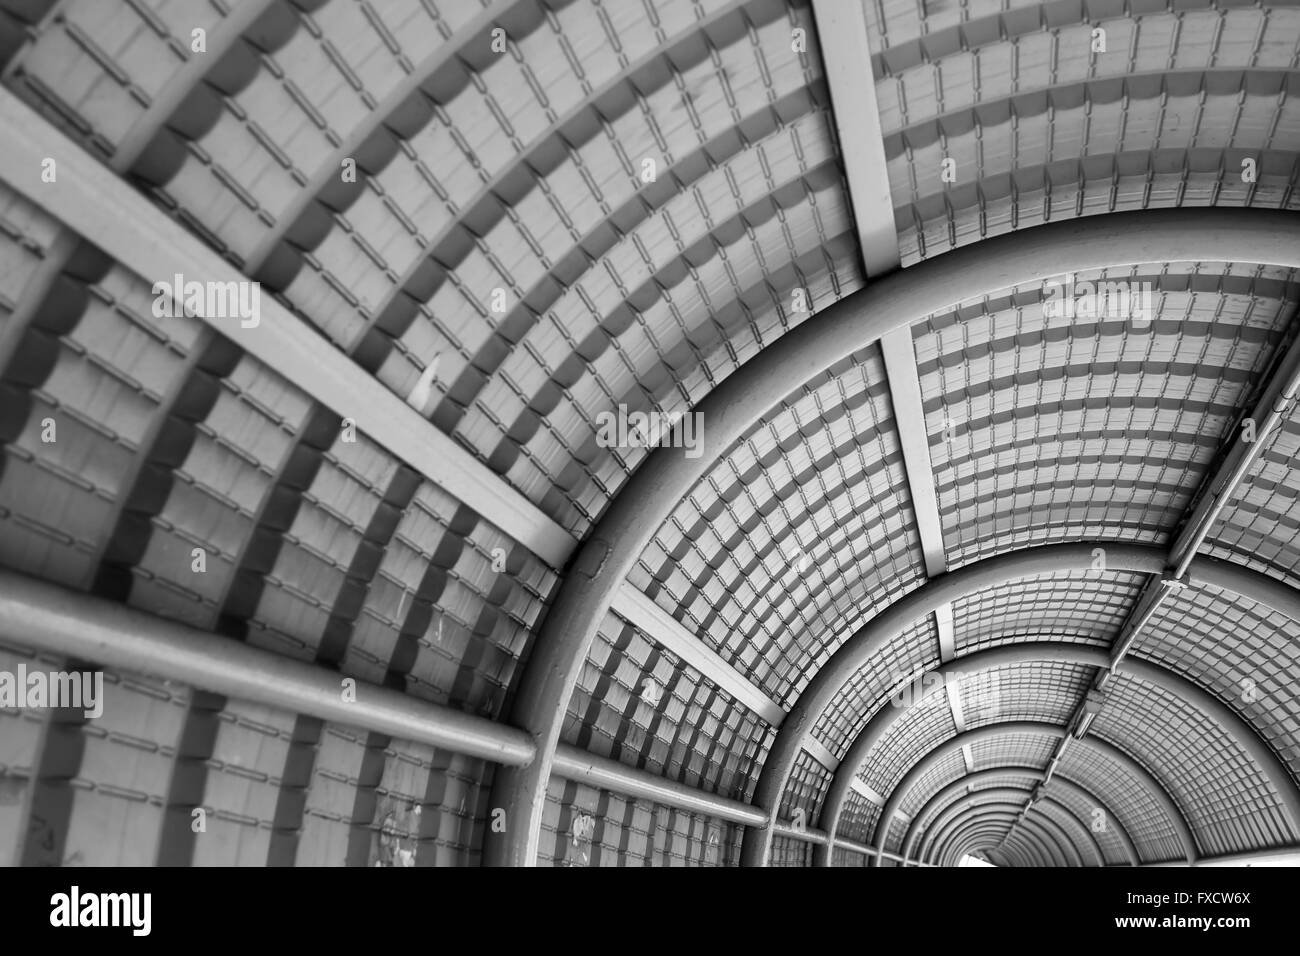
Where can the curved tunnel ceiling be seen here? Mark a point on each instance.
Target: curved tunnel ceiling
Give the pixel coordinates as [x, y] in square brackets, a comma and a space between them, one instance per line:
[935, 555]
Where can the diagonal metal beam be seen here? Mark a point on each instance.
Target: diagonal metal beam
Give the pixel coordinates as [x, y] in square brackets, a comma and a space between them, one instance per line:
[844, 40]
[636, 608]
[864, 790]
[1276, 401]
[846, 57]
[108, 212]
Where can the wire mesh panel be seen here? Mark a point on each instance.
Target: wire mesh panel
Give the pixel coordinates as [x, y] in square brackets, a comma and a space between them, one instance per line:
[1229, 803]
[639, 703]
[583, 826]
[532, 221]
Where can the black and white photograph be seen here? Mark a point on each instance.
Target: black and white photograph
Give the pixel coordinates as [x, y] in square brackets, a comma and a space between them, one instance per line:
[644, 434]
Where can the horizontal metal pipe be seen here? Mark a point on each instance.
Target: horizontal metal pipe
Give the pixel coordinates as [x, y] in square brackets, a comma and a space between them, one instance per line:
[582, 767]
[818, 837]
[52, 618]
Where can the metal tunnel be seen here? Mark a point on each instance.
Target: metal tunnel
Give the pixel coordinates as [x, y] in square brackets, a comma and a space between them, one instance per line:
[608, 433]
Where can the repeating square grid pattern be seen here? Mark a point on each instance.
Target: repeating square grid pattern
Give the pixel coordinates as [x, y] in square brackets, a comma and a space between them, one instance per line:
[913, 652]
[640, 704]
[857, 818]
[1229, 804]
[797, 527]
[788, 851]
[805, 789]
[1041, 691]
[1084, 606]
[932, 781]
[1261, 524]
[1243, 652]
[1014, 750]
[1131, 415]
[1148, 827]
[918, 731]
[583, 826]
[1103, 828]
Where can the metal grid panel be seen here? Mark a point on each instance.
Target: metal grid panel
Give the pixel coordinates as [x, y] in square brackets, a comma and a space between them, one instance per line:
[741, 123]
[1085, 607]
[26, 237]
[583, 826]
[898, 830]
[789, 851]
[798, 526]
[1102, 826]
[914, 651]
[1261, 524]
[389, 803]
[1068, 824]
[935, 80]
[1023, 750]
[843, 857]
[1242, 652]
[897, 25]
[1150, 830]
[21, 733]
[805, 789]
[1021, 144]
[104, 63]
[919, 730]
[1046, 691]
[1229, 804]
[101, 788]
[940, 775]
[95, 363]
[1109, 435]
[858, 818]
[639, 703]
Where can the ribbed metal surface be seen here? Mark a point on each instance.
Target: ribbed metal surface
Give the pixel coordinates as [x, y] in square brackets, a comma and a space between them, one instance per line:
[503, 262]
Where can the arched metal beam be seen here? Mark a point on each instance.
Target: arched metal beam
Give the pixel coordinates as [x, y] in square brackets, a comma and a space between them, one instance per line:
[956, 842]
[1227, 719]
[1044, 802]
[865, 643]
[873, 636]
[993, 825]
[1025, 257]
[1120, 831]
[1012, 798]
[885, 717]
[1030, 853]
[1054, 847]
[971, 841]
[1036, 817]
[1154, 788]
[941, 798]
[1046, 826]
[1045, 851]
[975, 843]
